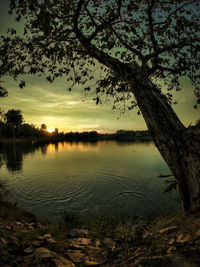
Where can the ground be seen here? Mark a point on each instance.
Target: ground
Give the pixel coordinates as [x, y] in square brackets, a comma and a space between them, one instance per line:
[166, 241]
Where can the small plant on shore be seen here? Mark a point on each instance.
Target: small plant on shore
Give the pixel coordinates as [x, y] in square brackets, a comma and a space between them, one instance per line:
[172, 185]
[71, 220]
[103, 226]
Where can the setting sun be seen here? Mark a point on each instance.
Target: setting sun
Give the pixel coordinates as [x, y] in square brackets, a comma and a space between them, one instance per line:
[50, 129]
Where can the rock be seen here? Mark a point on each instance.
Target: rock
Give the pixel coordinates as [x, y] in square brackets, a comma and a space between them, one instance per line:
[44, 253]
[109, 243]
[50, 241]
[197, 232]
[171, 241]
[41, 253]
[8, 227]
[94, 248]
[36, 243]
[18, 223]
[28, 250]
[182, 239]
[170, 249]
[63, 262]
[98, 243]
[82, 241]
[76, 256]
[98, 255]
[47, 236]
[29, 226]
[40, 226]
[168, 229]
[91, 263]
[3, 241]
[78, 233]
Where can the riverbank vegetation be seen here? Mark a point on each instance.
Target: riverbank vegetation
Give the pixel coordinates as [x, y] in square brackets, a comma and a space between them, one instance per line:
[13, 127]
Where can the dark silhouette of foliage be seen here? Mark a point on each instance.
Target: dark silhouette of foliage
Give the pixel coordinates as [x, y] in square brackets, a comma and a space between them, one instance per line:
[3, 92]
[43, 127]
[14, 117]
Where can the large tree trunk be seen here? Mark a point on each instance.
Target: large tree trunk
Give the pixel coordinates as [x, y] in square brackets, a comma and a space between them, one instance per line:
[178, 145]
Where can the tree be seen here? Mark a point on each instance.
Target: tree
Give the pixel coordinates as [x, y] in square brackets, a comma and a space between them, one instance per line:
[13, 119]
[43, 127]
[139, 45]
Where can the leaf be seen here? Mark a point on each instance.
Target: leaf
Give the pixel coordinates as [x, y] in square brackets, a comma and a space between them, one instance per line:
[87, 88]
[22, 84]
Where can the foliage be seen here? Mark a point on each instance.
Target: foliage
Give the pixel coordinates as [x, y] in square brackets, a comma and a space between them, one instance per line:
[130, 39]
[14, 117]
[198, 124]
[71, 220]
[3, 92]
[171, 185]
[102, 226]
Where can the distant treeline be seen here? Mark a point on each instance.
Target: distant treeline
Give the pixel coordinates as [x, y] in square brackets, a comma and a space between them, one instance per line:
[26, 131]
[12, 127]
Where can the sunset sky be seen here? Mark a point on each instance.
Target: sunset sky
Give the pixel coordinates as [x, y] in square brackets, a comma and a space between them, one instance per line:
[52, 104]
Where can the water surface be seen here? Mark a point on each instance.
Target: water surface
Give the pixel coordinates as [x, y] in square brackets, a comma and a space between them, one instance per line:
[107, 177]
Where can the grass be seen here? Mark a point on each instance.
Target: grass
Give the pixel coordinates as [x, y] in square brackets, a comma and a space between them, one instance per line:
[100, 226]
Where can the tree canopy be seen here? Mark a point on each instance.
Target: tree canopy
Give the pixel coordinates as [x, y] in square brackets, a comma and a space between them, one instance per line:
[156, 38]
[14, 117]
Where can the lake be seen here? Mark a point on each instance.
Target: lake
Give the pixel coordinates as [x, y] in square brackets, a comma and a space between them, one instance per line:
[104, 177]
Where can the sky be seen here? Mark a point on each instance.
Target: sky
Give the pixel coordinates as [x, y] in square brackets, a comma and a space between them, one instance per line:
[52, 104]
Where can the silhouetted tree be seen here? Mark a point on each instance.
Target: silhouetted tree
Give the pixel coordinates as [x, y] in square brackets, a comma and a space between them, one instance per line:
[139, 44]
[198, 123]
[43, 127]
[13, 119]
[56, 132]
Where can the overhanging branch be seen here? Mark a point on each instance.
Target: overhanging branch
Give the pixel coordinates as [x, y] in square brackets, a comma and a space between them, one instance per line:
[93, 51]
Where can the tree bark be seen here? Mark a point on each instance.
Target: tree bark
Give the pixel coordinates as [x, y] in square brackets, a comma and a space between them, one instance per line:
[178, 145]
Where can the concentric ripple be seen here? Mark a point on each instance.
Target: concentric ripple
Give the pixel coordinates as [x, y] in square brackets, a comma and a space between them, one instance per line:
[104, 178]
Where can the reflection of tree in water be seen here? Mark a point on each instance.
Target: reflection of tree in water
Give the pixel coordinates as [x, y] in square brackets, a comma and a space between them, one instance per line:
[1, 160]
[12, 157]
[12, 154]
[56, 146]
[43, 148]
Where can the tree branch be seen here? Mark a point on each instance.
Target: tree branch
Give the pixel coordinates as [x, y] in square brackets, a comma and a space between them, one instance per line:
[93, 51]
[91, 17]
[130, 48]
[172, 13]
[153, 40]
[163, 68]
[159, 51]
[105, 23]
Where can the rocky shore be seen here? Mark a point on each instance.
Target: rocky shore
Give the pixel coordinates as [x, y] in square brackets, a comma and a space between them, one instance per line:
[27, 241]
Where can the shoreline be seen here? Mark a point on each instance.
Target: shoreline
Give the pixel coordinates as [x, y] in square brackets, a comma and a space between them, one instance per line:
[54, 139]
[166, 241]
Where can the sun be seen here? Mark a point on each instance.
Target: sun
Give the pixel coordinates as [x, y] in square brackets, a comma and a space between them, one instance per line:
[50, 129]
